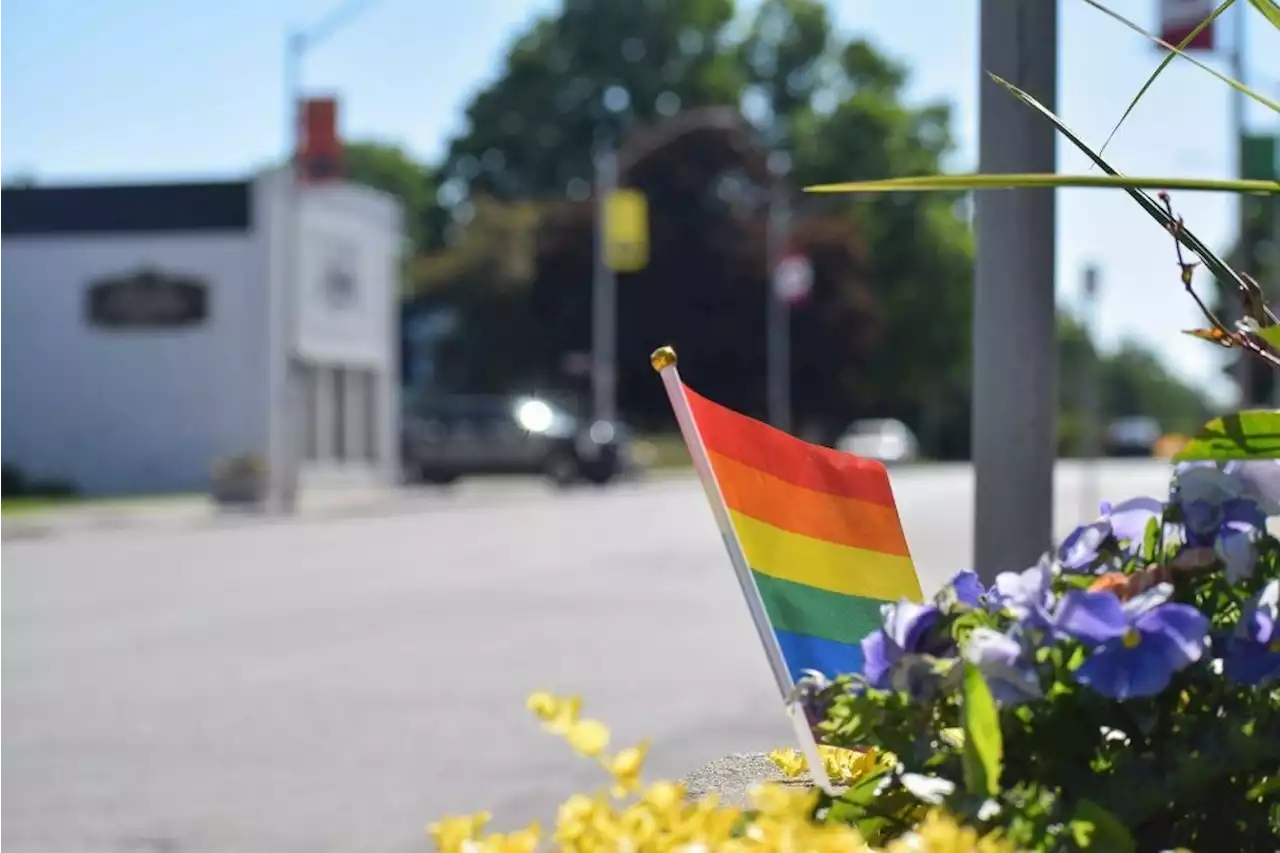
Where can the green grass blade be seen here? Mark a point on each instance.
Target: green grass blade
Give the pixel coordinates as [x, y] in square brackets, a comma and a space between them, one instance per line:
[1230, 81]
[1164, 63]
[1269, 10]
[1183, 234]
[961, 183]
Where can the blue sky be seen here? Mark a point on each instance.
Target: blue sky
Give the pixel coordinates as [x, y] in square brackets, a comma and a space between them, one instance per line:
[164, 89]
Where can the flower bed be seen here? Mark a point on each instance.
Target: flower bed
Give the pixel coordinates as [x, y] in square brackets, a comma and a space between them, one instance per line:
[1121, 695]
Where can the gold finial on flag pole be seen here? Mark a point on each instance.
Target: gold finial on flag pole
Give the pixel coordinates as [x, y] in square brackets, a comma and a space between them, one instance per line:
[662, 358]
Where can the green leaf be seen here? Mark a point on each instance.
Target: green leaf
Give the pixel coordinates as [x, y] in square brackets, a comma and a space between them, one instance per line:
[1164, 63]
[1251, 434]
[1269, 10]
[1270, 334]
[1151, 539]
[953, 183]
[983, 744]
[1093, 827]
[1233, 83]
[1265, 787]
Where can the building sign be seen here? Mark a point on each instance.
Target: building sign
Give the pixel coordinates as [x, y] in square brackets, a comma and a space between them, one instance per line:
[339, 282]
[147, 299]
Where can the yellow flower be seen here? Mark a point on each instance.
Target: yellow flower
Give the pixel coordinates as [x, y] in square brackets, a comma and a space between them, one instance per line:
[625, 768]
[789, 761]
[574, 817]
[843, 766]
[781, 802]
[521, 841]
[588, 737]
[452, 833]
[558, 715]
[941, 833]
[663, 796]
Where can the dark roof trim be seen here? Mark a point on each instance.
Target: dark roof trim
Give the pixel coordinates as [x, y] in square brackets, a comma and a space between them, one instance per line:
[153, 208]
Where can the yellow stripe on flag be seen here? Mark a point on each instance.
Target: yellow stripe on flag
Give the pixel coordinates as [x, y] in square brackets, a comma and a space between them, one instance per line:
[825, 565]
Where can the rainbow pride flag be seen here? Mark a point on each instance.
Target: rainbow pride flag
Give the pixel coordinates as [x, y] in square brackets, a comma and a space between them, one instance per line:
[814, 534]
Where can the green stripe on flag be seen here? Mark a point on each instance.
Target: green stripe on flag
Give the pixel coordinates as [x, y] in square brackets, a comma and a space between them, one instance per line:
[803, 609]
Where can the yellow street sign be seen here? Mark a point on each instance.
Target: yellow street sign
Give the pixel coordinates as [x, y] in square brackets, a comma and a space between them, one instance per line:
[626, 215]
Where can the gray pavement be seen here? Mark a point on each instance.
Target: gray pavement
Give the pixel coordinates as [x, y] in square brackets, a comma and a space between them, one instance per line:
[333, 683]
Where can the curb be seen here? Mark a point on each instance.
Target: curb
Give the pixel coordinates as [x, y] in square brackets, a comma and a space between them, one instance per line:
[199, 515]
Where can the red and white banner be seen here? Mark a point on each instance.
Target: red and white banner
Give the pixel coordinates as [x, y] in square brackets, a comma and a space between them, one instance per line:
[1179, 17]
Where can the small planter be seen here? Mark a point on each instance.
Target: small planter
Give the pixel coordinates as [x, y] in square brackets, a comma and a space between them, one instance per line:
[239, 482]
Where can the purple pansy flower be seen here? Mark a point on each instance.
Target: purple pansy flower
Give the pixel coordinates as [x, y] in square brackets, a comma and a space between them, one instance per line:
[1002, 662]
[963, 588]
[1260, 481]
[905, 633]
[1237, 549]
[1082, 548]
[1223, 509]
[1027, 595]
[1137, 646]
[1211, 498]
[1129, 520]
[1253, 652]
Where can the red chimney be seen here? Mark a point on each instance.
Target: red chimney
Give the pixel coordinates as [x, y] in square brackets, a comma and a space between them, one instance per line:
[320, 154]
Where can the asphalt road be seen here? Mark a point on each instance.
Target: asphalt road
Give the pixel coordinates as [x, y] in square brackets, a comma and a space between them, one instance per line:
[333, 685]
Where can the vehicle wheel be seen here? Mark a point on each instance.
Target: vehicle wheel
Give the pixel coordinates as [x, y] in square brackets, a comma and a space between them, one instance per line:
[562, 469]
[600, 475]
[439, 478]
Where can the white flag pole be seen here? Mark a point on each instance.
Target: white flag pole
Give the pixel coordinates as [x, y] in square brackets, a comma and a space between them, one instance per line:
[664, 362]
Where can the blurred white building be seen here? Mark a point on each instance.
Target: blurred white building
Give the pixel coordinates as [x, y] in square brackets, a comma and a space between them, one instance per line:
[146, 329]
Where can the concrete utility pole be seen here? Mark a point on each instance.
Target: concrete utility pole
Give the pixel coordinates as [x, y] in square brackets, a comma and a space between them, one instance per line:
[1014, 321]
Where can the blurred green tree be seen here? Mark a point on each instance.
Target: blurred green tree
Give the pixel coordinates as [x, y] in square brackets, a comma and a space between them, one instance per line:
[388, 167]
[694, 98]
[591, 68]
[1131, 381]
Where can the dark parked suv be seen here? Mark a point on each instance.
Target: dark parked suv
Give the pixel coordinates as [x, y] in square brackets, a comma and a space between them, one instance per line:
[444, 438]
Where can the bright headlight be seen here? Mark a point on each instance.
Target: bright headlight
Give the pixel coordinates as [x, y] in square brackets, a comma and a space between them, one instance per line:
[534, 416]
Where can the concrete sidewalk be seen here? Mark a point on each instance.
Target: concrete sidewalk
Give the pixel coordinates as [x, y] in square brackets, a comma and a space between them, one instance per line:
[178, 512]
[184, 512]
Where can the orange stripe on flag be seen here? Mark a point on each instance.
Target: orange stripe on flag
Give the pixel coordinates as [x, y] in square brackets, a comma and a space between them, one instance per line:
[820, 469]
[844, 521]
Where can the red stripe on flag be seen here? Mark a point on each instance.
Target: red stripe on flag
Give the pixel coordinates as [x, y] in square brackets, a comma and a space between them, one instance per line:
[774, 452]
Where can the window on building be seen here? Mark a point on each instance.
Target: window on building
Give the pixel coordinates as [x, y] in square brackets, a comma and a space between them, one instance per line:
[310, 412]
[339, 412]
[369, 399]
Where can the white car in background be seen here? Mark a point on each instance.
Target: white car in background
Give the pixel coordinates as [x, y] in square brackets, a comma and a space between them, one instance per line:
[883, 439]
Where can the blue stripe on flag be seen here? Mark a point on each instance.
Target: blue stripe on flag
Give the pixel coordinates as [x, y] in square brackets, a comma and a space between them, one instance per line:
[828, 657]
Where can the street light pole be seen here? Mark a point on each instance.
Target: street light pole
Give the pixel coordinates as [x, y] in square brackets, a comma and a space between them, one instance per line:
[1014, 319]
[1091, 398]
[287, 419]
[285, 460]
[604, 301]
[777, 310]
